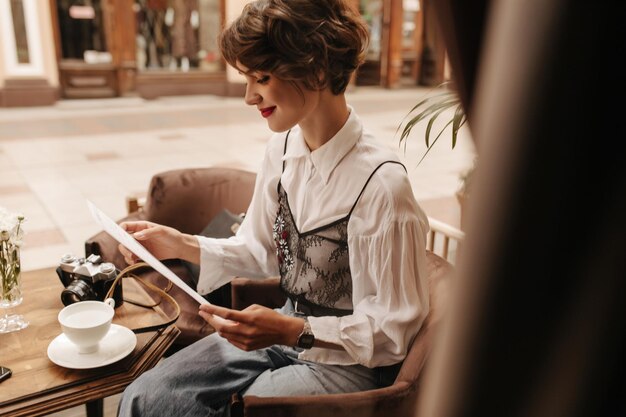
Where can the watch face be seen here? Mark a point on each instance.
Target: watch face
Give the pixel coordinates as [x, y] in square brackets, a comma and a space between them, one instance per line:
[306, 341]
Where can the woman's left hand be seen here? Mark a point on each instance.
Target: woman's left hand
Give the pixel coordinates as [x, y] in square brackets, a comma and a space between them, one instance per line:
[254, 328]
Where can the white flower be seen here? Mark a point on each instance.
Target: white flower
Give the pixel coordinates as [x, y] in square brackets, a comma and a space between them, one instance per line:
[11, 234]
[11, 228]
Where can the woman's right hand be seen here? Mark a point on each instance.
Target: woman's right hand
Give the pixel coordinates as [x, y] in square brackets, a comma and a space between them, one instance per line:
[161, 241]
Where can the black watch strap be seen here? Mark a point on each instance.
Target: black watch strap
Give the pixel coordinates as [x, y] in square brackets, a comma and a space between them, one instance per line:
[306, 338]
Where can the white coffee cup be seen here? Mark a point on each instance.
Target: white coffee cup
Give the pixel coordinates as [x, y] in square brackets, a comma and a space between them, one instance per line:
[85, 323]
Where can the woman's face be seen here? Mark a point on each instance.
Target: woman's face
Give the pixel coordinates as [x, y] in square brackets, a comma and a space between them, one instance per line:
[278, 101]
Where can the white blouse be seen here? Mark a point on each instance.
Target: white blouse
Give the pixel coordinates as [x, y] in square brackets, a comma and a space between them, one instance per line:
[386, 240]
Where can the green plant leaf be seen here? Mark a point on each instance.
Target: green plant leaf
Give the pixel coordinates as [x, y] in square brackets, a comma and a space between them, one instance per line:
[434, 141]
[429, 110]
[457, 122]
[422, 103]
[432, 110]
[430, 124]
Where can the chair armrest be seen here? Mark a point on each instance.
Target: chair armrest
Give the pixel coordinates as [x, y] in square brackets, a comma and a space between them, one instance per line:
[265, 292]
[395, 400]
[444, 238]
[135, 203]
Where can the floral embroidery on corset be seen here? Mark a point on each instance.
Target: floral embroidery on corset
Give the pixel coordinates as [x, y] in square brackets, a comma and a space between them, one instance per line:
[281, 234]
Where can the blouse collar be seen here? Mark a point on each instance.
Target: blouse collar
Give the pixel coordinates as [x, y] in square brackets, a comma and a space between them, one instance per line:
[326, 158]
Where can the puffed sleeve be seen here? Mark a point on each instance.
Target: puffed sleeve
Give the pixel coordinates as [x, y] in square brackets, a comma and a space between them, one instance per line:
[387, 244]
[250, 252]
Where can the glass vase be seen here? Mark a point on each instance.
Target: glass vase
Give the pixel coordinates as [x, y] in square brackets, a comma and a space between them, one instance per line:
[10, 288]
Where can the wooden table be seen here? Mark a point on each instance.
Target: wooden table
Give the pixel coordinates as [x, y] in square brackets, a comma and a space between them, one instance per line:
[38, 386]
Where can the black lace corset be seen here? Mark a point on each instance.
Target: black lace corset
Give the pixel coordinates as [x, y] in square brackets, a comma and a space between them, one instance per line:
[314, 266]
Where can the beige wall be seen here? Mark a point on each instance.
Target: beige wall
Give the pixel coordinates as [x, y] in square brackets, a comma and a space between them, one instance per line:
[233, 9]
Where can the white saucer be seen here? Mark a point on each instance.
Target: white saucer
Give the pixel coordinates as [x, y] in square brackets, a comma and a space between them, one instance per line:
[116, 345]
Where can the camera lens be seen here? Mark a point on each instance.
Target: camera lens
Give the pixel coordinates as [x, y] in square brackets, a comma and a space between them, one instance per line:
[77, 290]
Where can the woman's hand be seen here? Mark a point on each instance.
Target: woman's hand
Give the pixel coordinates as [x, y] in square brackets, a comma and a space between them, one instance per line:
[161, 241]
[254, 328]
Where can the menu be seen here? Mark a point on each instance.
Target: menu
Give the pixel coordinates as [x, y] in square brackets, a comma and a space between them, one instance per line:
[138, 249]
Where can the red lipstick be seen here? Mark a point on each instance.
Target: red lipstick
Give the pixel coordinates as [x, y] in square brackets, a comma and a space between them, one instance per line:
[267, 111]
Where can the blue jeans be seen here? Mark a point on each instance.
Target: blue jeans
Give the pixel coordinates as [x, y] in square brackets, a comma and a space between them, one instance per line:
[200, 379]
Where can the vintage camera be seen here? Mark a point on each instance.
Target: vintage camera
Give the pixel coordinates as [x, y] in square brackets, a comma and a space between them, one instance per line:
[87, 279]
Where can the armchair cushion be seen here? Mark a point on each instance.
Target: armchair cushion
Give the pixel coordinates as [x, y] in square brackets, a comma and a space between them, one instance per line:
[187, 199]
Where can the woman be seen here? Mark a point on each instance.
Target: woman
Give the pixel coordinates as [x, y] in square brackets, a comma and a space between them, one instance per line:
[333, 213]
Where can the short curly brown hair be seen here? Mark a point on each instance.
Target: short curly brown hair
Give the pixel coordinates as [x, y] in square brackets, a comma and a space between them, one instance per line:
[319, 43]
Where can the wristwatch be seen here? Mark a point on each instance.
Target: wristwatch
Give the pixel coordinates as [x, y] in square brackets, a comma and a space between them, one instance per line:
[306, 338]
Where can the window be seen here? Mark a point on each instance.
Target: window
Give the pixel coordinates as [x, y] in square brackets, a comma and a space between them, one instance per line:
[81, 27]
[178, 35]
[19, 30]
[372, 13]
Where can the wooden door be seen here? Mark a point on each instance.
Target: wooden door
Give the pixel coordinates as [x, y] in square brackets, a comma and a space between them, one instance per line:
[95, 47]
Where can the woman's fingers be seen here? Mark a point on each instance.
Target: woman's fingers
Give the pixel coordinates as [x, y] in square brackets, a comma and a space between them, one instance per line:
[138, 226]
[142, 230]
[132, 227]
[226, 313]
[161, 241]
[217, 322]
[149, 233]
[234, 332]
[129, 257]
[125, 252]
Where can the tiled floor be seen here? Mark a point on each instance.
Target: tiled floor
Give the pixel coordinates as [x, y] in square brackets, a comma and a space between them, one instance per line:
[54, 158]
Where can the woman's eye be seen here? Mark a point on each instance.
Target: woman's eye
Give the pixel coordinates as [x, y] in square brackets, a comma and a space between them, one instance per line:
[263, 80]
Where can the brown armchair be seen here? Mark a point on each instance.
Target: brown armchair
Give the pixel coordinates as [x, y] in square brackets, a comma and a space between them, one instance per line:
[188, 199]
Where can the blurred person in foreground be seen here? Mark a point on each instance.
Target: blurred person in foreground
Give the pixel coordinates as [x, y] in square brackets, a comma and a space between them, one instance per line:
[332, 213]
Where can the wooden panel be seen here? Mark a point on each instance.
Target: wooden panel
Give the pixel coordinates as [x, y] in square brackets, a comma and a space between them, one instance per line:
[412, 56]
[56, 33]
[81, 80]
[156, 84]
[27, 92]
[122, 44]
[394, 61]
[434, 52]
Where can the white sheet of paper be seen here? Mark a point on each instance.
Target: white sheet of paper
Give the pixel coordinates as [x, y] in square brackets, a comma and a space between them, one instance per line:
[137, 248]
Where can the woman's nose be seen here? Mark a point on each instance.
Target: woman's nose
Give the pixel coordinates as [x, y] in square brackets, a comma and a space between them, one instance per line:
[252, 97]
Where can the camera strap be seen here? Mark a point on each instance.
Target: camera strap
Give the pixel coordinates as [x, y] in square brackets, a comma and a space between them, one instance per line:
[127, 273]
